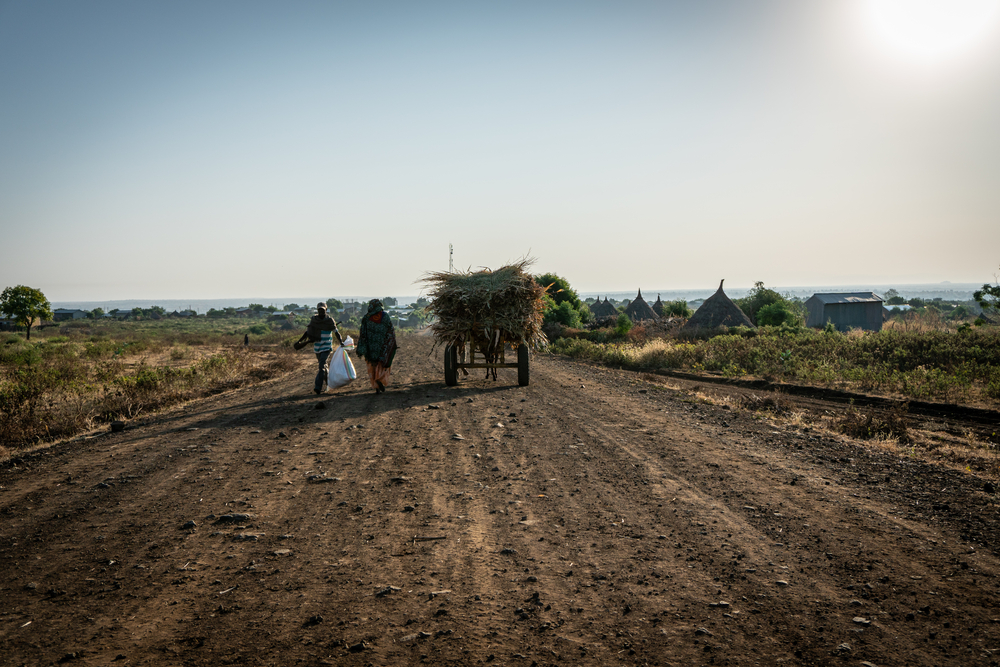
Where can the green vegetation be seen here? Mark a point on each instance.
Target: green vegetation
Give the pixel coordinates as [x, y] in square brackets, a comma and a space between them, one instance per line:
[988, 298]
[623, 325]
[777, 309]
[778, 313]
[677, 308]
[558, 289]
[563, 313]
[892, 298]
[936, 365]
[563, 306]
[25, 305]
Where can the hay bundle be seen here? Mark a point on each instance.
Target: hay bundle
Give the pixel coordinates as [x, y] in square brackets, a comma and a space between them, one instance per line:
[487, 308]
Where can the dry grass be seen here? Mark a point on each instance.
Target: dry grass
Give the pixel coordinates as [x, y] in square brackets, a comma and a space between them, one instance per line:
[922, 322]
[60, 396]
[871, 425]
[774, 404]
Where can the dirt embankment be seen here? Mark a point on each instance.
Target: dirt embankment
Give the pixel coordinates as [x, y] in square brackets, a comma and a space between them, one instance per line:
[592, 518]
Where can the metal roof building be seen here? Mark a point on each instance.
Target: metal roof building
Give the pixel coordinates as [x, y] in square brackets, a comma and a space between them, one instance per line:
[847, 310]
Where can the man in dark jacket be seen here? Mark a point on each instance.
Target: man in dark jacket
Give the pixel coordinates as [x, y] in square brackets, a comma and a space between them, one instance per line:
[320, 333]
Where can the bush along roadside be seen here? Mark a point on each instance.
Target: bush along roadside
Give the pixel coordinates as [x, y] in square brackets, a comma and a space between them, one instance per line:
[57, 395]
[954, 367]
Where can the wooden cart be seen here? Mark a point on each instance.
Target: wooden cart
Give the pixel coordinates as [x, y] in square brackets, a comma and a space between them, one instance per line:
[467, 353]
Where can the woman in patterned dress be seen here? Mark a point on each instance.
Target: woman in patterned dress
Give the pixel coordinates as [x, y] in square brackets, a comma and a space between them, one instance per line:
[377, 344]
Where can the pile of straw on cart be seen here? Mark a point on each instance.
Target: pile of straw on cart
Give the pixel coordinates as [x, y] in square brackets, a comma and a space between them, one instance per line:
[487, 308]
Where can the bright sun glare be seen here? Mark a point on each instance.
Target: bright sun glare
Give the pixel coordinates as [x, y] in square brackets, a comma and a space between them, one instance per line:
[931, 31]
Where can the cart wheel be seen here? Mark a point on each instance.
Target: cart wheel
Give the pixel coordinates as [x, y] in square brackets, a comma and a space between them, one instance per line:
[522, 365]
[450, 363]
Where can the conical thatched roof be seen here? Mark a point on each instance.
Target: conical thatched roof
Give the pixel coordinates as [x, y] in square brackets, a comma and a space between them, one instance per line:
[639, 310]
[718, 311]
[603, 309]
[658, 306]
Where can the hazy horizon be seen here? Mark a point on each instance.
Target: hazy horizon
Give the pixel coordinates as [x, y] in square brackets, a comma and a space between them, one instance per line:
[945, 290]
[156, 149]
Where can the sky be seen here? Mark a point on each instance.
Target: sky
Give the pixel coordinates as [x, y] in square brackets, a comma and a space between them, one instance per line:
[206, 150]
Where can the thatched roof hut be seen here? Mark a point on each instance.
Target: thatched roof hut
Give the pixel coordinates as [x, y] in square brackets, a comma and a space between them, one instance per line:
[639, 310]
[602, 309]
[718, 311]
[658, 306]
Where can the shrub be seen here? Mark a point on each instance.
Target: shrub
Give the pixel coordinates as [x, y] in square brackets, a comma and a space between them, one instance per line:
[871, 426]
[637, 335]
[921, 364]
[677, 308]
[623, 325]
[776, 314]
[760, 297]
[558, 289]
[564, 314]
[777, 404]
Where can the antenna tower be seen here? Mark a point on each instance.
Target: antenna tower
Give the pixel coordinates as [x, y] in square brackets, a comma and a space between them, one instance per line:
[451, 257]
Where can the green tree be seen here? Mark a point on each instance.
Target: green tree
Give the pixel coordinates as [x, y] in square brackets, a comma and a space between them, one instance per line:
[137, 313]
[559, 289]
[892, 298]
[623, 325]
[761, 296]
[389, 302]
[565, 314]
[335, 305]
[677, 308]
[96, 313]
[291, 306]
[776, 314]
[24, 305]
[988, 298]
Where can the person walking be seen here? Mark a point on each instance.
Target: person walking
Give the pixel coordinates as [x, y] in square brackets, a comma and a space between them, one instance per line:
[320, 332]
[377, 344]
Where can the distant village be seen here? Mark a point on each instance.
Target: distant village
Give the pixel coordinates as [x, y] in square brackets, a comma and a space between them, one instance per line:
[843, 311]
[349, 312]
[846, 310]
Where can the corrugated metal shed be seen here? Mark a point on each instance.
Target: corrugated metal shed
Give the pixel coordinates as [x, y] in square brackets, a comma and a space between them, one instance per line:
[846, 310]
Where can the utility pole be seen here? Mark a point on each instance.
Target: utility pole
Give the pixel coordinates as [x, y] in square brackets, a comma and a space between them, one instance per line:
[451, 256]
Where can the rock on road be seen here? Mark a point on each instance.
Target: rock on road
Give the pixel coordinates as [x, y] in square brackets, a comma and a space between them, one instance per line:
[591, 518]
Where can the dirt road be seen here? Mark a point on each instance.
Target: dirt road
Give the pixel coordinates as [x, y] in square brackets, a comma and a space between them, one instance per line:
[591, 518]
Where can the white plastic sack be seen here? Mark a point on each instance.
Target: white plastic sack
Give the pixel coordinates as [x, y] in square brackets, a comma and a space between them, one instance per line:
[341, 369]
[348, 342]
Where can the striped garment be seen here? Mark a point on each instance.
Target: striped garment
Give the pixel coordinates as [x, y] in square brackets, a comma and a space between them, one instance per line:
[325, 342]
